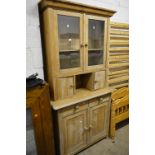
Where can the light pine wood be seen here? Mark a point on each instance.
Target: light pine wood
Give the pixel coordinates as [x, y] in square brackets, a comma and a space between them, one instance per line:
[118, 60]
[118, 72]
[119, 25]
[81, 95]
[98, 122]
[116, 49]
[95, 80]
[99, 80]
[77, 7]
[69, 14]
[115, 65]
[86, 38]
[118, 32]
[119, 43]
[118, 79]
[73, 105]
[74, 133]
[83, 126]
[119, 108]
[65, 87]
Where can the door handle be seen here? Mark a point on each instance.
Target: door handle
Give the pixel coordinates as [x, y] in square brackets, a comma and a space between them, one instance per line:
[86, 128]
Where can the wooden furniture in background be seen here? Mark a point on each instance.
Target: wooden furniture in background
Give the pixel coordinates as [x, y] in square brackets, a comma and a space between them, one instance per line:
[75, 42]
[118, 56]
[39, 121]
[119, 108]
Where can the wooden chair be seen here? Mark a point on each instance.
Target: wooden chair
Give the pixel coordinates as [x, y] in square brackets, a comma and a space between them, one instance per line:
[119, 108]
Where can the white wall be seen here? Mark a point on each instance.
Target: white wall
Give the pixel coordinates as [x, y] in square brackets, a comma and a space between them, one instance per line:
[34, 62]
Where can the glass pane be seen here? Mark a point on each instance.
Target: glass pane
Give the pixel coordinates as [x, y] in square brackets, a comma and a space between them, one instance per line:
[69, 32]
[95, 42]
[69, 41]
[30, 140]
[69, 59]
[95, 57]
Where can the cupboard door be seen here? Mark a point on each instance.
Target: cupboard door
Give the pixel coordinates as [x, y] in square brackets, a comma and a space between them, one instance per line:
[99, 80]
[69, 27]
[95, 42]
[65, 87]
[74, 132]
[99, 116]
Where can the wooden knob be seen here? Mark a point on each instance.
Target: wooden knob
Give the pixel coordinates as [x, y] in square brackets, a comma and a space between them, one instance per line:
[90, 126]
[101, 99]
[86, 128]
[77, 107]
[86, 45]
[95, 81]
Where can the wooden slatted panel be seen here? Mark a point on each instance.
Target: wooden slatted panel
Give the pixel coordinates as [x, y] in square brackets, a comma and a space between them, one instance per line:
[118, 57]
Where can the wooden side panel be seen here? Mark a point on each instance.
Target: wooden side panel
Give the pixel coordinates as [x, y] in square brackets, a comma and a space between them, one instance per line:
[39, 137]
[75, 135]
[118, 60]
[65, 87]
[47, 125]
[98, 122]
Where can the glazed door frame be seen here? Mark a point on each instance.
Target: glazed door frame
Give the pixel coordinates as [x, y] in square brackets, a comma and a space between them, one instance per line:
[86, 29]
[71, 14]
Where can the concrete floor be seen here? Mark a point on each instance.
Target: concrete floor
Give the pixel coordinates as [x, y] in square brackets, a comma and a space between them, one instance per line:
[107, 147]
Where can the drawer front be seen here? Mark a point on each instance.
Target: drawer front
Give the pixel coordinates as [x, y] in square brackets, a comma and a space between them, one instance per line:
[93, 102]
[80, 106]
[103, 99]
[74, 109]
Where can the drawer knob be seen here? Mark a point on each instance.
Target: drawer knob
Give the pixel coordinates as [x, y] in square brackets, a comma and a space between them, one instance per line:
[101, 99]
[86, 128]
[77, 107]
[90, 126]
[95, 81]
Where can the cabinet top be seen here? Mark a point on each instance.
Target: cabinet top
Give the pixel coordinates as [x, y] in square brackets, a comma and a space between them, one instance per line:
[81, 96]
[77, 7]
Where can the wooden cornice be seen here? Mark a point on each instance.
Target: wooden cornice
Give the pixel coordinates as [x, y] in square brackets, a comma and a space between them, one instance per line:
[70, 6]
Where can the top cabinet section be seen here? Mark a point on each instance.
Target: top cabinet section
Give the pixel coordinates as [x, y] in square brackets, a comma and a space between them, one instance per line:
[75, 37]
[80, 46]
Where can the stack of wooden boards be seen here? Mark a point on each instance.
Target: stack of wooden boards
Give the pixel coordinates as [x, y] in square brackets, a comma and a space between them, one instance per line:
[118, 56]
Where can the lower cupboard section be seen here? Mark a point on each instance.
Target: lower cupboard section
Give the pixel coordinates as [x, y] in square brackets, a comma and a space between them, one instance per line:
[83, 124]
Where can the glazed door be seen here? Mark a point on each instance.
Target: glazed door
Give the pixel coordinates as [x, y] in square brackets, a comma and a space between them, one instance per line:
[75, 132]
[95, 42]
[98, 122]
[69, 41]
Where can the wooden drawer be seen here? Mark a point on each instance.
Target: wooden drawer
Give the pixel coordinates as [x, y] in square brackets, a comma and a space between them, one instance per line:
[73, 109]
[103, 99]
[93, 102]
